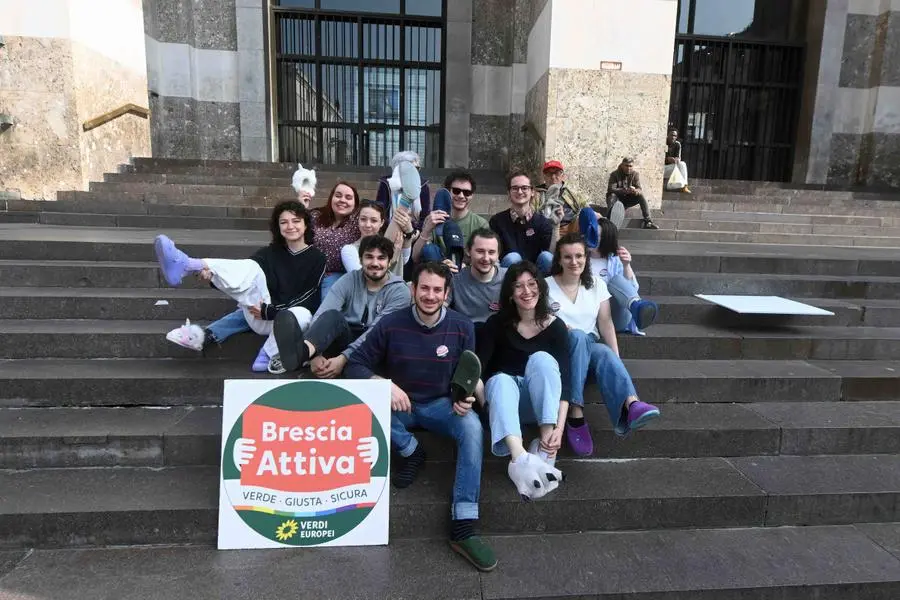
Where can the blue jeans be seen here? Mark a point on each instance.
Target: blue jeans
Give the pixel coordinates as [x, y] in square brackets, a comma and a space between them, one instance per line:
[532, 398]
[623, 291]
[588, 356]
[438, 416]
[328, 281]
[229, 325]
[544, 261]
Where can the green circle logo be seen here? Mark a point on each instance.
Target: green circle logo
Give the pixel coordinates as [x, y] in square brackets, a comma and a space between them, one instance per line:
[305, 463]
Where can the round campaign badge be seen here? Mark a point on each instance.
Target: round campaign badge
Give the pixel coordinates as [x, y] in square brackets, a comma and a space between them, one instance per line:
[494, 306]
[529, 232]
[305, 463]
[442, 351]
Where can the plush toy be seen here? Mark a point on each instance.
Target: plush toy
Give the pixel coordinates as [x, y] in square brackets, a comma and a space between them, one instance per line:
[551, 201]
[304, 181]
[405, 183]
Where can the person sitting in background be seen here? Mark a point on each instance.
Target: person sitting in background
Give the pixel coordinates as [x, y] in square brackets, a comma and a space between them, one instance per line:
[371, 222]
[623, 192]
[336, 226]
[612, 263]
[524, 234]
[353, 305]
[524, 352]
[581, 300]
[431, 246]
[282, 277]
[571, 203]
[673, 161]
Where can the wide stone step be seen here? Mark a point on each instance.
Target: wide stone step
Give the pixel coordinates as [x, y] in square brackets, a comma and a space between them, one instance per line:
[112, 303]
[203, 303]
[42, 243]
[112, 506]
[147, 221]
[769, 228]
[183, 436]
[850, 561]
[767, 205]
[88, 338]
[81, 382]
[672, 212]
[865, 241]
[668, 283]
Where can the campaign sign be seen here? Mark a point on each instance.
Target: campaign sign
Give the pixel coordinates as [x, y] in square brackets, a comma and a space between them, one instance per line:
[304, 463]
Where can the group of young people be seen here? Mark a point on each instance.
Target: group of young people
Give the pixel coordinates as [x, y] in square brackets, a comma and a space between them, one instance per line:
[529, 318]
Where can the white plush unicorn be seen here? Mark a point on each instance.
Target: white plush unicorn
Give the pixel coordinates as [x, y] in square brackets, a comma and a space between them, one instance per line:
[304, 183]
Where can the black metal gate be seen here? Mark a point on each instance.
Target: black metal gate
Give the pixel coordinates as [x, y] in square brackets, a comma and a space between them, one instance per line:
[357, 88]
[736, 104]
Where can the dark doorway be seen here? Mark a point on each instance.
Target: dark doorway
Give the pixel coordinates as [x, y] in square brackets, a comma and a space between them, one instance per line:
[359, 80]
[736, 86]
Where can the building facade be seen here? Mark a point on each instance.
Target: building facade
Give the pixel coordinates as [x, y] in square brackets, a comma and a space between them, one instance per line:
[786, 90]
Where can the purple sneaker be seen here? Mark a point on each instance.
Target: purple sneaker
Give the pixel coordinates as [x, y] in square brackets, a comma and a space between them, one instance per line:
[579, 439]
[641, 413]
[261, 363]
[173, 263]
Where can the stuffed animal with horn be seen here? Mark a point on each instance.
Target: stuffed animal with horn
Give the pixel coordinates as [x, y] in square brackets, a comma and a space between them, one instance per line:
[304, 183]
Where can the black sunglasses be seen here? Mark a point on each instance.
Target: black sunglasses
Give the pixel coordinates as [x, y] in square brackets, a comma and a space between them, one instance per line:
[466, 193]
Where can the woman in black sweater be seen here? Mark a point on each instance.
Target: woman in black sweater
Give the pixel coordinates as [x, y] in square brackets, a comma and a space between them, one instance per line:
[524, 352]
[285, 275]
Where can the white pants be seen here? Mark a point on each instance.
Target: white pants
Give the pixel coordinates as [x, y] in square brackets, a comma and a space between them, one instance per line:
[245, 282]
[681, 167]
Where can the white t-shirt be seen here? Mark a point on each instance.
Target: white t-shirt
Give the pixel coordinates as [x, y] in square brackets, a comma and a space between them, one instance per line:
[600, 267]
[581, 314]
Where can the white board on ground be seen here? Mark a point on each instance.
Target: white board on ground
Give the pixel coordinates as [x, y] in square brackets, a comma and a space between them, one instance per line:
[304, 463]
[764, 305]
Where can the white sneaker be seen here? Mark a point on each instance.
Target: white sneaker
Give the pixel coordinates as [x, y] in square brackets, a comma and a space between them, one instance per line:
[535, 448]
[275, 366]
[187, 336]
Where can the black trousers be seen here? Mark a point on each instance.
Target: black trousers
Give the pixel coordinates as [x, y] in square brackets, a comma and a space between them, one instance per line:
[331, 333]
[629, 200]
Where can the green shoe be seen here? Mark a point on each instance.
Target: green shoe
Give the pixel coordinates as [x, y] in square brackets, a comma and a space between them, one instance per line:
[476, 551]
[465, 378]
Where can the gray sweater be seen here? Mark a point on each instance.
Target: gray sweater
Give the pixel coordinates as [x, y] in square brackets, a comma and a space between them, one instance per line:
[350, 297]
[475, 299]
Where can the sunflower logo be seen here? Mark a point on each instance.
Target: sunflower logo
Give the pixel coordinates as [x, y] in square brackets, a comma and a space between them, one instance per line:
[286, 530]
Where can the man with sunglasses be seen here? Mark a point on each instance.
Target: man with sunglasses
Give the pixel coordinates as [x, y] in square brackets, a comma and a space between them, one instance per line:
[430, 246]
[524, 234]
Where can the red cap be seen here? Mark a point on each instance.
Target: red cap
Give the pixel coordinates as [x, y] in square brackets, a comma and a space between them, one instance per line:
[552, 164]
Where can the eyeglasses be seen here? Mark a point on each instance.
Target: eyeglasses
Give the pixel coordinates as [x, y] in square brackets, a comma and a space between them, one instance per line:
[531, 286]
[520, 188]
[457, 191]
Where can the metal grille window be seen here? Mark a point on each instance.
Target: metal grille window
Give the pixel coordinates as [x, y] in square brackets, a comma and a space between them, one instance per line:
[357, 87]
[736, 99]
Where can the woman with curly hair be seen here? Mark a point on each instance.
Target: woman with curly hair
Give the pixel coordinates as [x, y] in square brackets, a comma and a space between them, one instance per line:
[524, 352]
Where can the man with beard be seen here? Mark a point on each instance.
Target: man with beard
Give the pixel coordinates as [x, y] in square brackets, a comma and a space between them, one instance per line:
[476, 290]
[352, 307]
[422, 350]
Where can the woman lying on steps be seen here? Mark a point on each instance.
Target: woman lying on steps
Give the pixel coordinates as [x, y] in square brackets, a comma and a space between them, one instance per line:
[371, 222]
[285, 275]
[525, 361]
[612, 263]
[582, 302]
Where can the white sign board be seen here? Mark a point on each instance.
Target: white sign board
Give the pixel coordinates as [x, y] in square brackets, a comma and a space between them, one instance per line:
[304, 463]
[764, 305]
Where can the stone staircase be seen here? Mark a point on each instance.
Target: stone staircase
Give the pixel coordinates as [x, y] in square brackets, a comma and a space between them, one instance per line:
[774, 472]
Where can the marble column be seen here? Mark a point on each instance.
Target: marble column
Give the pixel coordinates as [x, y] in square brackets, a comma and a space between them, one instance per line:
[598, 89]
